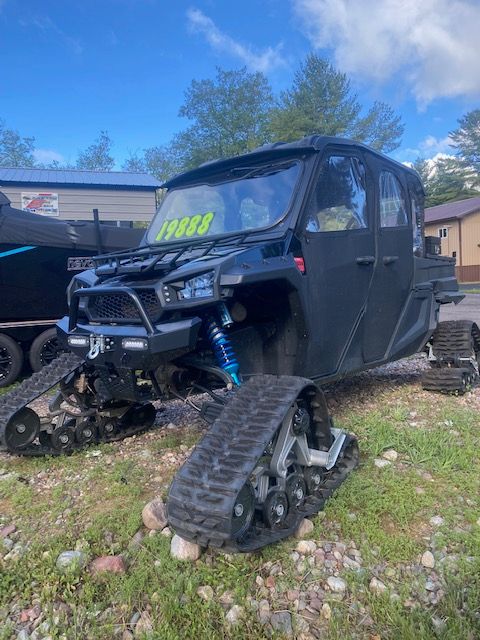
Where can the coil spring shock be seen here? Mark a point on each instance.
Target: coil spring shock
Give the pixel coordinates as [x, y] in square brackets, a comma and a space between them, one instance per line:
[223, 349]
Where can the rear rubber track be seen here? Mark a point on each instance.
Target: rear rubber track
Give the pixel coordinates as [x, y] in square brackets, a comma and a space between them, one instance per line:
[454, 342]
[203, 493]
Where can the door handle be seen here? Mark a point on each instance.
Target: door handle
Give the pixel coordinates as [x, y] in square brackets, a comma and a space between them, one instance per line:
[389, 259]
[365, 259]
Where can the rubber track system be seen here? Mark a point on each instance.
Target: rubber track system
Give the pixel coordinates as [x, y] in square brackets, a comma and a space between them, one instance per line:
[203, 493]
[38, 384]
[35, 386]
[453, 345]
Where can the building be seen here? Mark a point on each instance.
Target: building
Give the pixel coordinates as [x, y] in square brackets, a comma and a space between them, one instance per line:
[119, 196]
[458, 226]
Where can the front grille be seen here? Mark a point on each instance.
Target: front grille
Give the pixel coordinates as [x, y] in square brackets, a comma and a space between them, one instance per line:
[118, 307]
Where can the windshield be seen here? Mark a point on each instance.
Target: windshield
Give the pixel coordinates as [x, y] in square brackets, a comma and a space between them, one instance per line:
[247, 198]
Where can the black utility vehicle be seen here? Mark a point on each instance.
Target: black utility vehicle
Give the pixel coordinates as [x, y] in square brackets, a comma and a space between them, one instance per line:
[38, 257]
[265, 274]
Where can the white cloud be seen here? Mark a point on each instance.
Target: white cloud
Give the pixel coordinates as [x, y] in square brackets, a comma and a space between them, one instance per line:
[47, 156]
[430, 148]
[264, 61]
[431, 46]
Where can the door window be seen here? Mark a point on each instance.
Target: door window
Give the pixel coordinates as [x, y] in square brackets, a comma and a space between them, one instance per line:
[339, 202]
[393, 212]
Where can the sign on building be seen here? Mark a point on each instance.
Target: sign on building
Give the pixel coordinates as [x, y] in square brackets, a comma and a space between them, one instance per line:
[45, 204]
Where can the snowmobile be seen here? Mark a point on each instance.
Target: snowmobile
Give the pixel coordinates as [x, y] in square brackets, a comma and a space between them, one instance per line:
[261, 277]
[38, 256]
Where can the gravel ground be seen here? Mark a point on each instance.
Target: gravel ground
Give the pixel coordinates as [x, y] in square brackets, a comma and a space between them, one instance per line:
[467, 309]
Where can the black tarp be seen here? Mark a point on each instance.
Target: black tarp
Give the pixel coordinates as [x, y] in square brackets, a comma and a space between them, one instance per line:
[23, 228]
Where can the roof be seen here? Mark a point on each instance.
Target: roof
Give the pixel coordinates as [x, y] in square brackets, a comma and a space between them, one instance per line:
[450, 210]
[75, 177]
[307, 145]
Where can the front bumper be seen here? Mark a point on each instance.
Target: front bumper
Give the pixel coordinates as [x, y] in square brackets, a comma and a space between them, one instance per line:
[163, 342]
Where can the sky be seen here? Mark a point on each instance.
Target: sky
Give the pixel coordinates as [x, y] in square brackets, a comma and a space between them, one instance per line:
[70, 68]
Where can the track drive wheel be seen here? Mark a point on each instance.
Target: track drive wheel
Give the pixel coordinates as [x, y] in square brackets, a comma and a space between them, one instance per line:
[22, 429]
[86, 432]
[63, 438]
[11, 360]
[275, 508]
[243, 511]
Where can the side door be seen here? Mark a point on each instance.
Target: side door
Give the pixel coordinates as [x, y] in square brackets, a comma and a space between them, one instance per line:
[338, 249]
[392, 280]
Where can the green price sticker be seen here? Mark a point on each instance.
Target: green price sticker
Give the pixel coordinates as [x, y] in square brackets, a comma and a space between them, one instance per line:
[186, 227]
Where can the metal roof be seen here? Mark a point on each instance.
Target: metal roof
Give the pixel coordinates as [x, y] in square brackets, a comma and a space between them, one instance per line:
[452, 210]
[78, 177]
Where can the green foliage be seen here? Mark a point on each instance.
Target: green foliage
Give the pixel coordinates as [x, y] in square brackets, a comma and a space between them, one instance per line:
[228, 115]
[15, 150]
[466, 138]
[321, 101]
[448, 181]
[161, 162]
[97, 156]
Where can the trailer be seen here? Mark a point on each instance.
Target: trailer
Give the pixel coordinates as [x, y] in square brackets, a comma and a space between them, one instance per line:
[38, 258]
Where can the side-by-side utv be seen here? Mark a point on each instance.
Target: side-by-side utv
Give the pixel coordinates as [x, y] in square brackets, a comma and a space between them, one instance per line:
[266, 275]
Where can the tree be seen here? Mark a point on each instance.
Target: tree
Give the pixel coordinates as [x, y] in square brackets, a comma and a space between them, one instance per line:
[15, 151]
[446, 180]
[160, 162]
[466, 139]
[321, 101]
[97, 156]
[229, 116]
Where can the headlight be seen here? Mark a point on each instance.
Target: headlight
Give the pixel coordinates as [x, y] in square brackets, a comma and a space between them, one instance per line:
[78, 341]
[198, 287]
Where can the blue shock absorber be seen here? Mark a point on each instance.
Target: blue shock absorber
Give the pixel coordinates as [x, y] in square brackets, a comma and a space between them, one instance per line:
[223, 349]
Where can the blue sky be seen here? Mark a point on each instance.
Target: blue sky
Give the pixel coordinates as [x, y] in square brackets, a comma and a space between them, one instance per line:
[70, 68]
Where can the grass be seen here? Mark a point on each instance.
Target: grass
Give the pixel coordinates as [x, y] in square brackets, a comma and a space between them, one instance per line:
[95, 503]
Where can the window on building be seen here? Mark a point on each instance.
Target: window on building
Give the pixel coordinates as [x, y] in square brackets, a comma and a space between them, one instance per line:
[393, 212]
[443, 232]
[339, 202]
[454, 254]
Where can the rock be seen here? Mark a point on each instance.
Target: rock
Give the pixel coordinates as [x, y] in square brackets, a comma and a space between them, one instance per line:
[183, 550]
[23, 635]
[108, 564]
[205, 592]
[381, 463]
[234, 615]
[305, 528]
[263, 611]
[136, 542]
[7, 543]
[326, 611]
[270, 582]
[167, 532]
[390, 454]
[428, 560]
[8, 530]
[144, 626]
[281, 621]
[127, 635]
[154, 515]
[306, 547]
[337, 585]
[259, 581]
[436, 521]
[226, 599]
[30, 614]
[71, 561]
[377, 586]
